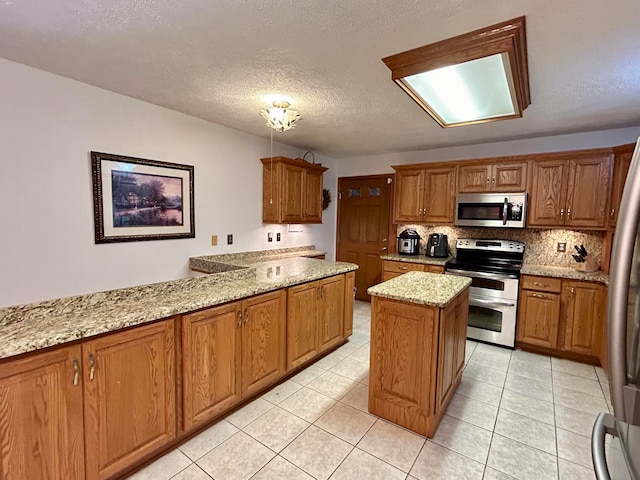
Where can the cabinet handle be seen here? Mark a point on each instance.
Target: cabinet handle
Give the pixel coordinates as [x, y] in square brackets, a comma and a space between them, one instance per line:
[488, 181]
[613, 211]
[539, 295]
[246, 316]
[538, 284]
[568, 212]
[562, 212]
[92, 364]
[383, 249]
[573, 290]
[403, 268]
[494, 182]
[76, 372]
[239, 318]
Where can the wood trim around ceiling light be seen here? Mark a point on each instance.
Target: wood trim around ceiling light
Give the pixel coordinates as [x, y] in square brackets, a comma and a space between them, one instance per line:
[507, 37]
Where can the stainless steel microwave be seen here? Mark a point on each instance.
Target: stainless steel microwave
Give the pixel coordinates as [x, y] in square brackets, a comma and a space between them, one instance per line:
[491, 210]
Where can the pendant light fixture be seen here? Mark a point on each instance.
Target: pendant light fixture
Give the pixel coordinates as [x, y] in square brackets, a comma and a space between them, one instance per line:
[280, 117]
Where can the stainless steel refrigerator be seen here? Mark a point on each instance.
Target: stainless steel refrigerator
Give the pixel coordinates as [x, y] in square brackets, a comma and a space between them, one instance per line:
[615, 441]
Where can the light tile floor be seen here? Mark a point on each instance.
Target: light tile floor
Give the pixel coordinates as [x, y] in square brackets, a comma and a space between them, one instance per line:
[515, 415]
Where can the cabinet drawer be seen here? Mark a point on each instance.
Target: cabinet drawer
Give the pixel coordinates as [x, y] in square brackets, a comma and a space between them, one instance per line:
[542, 284]
[402, 267]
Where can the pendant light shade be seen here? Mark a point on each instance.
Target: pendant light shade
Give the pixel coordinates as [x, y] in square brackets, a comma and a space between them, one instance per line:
[280, 117]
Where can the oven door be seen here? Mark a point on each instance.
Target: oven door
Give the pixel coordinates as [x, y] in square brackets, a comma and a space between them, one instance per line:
[496, 285]
[492, 320]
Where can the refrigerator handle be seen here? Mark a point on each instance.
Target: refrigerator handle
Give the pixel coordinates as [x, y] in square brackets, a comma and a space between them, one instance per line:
[620, 276]
[605, 423]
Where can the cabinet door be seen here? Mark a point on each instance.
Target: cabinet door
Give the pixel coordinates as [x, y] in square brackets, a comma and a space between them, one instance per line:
[587, 192]
[263, 340]
[129, 397]
[41, 433]
[538, 317]
[474, 178]
[271, 192]
[548, 193]
[330, 312]
[292, 193]
[312, 211]
[211, 343]
[408, 201]
[509, 177]
[620, 169]
[302, 324]
[349, 295]
[584, 309]
[440, 195]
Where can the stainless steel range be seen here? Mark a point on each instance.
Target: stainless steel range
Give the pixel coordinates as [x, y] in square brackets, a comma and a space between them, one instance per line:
[494, 267]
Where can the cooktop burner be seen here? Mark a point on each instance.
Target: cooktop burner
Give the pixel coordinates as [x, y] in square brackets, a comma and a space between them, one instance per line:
[493, 256]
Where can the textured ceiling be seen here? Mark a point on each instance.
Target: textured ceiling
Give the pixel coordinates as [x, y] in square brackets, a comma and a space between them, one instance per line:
[218, 59]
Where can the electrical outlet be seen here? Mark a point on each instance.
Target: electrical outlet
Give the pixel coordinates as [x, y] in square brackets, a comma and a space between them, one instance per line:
[562, 247]
[214, 240]
[230, 239]
[269, 236]
[278, 237]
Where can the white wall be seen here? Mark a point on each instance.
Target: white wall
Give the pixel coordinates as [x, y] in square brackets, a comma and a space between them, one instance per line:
[48, 126]
[378, 164]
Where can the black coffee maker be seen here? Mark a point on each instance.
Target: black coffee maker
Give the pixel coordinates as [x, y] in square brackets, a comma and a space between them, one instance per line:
[437, 245]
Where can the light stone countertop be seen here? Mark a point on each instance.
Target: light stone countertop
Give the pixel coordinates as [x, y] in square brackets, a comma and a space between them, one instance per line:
[396, 257]
[423, 288]
[25, 328]
[564, 272]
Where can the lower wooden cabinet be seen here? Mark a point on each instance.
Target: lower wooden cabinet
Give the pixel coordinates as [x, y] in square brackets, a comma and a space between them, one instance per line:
[561, 315]
[41, 433]
[230, 352]
[392, 269]
[315, 318]
[129, 397]
[349, 297]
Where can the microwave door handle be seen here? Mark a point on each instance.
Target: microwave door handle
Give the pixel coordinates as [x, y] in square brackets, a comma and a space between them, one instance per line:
[505, 209]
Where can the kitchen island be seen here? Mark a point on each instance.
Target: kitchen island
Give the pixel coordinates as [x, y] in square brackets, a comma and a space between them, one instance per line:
[418, 339]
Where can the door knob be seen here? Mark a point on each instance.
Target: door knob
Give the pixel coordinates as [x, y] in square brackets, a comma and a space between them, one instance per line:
[383, 249]
[384, 240]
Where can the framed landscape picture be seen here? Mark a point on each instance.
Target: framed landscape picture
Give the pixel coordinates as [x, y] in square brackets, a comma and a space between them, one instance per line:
[135, 199]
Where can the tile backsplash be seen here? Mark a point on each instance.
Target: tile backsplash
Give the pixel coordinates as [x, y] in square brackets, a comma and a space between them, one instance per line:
[540, 245]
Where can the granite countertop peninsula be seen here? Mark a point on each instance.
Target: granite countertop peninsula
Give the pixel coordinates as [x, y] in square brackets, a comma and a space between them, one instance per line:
[564, 272]
[234, 261]
[25, 328]
[432, 289]
[416, 259]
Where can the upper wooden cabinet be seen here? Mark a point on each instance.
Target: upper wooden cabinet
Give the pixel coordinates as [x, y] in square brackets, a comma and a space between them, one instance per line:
[41, 421]
[291, 191]
[570, 192]
[425, 195]
[621, 163]
[493, 177]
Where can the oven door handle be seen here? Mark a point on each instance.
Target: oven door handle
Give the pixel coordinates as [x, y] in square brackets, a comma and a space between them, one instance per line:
[490, 303]
[505, 209]
[490, 276]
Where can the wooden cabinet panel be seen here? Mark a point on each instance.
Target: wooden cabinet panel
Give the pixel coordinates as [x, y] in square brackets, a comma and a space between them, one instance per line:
[587, 192]
[41, 434]
[331, 312]
[548, 193]
[349, 296]
[312, 211]
[541, 284]
[434, 269]
[622, 161]
[474, 178]
[263, 340]
[129, 397]
[302, 324]
[403, 346]
[509, 177]
[446, 355]
[538, 317]
[408, 199]
[439, 195]
[292, 193]
[584, 303]
[211, 355]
